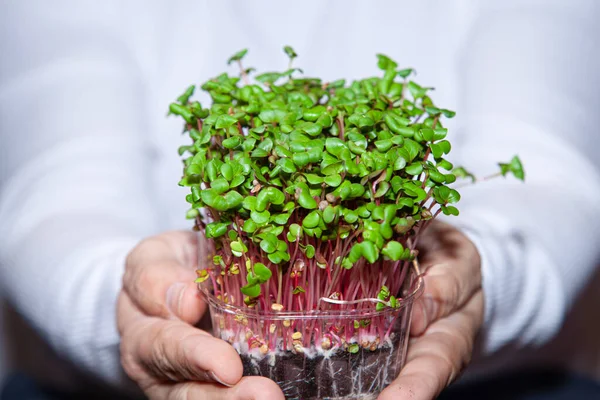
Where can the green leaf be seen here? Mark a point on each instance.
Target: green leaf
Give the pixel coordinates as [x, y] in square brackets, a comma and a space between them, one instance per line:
[334, 146]
[405, 73]
[280, 219]
[249, 226]
[312, 219]
[227, 172]
[416, 90]
[432, 110]
[399, 163]
[237, 56]
[384, 62]
[216, 229]
[366, 249]
[384, 145]
[294, 233]
[269, 195]
[225, 121]
[192, 213]
[221, 202]
[514, 167]
[309, 251]
[249, 203]
[185, 97]
[305, 200]
[251, 290]
[314, 179]
[270, 116]
[414, 168]
[298, 290]
[329, 214]
[262, 272]
[382, 189]
[350, 216]
[453, 196]
[310, 128]
[238, 249]
[237, 180]
[220, 185]
[450, 210]
[445, 146]
[260, 218]
[448, 113]
[393, 250]
[461, 172]
[232, 142]
[333, 180]
[268, 246]
[182, 111]
[290, 52]
[436, 176]
[268, 77]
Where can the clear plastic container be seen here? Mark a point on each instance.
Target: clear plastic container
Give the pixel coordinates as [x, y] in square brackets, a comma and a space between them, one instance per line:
[349, 351]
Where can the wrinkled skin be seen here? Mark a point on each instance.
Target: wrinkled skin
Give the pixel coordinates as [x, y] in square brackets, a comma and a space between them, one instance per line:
[446, 318]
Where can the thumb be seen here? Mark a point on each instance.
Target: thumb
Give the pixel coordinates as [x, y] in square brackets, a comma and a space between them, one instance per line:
[159, 277]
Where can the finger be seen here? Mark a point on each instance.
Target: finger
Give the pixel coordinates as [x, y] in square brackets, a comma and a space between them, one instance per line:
[249, 388]
[452, 276]
[435, 359]
[171, 350]
[159, 277]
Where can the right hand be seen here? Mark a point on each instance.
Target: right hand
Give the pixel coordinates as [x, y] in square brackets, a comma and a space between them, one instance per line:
[161, 350]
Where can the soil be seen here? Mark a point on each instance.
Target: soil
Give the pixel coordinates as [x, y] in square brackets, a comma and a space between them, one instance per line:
[341, 375]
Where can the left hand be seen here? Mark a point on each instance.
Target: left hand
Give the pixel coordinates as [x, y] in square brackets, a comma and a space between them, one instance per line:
[446, 318]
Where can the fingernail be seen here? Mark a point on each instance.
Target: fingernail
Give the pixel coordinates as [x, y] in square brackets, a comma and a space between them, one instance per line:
[430, 308]
[217, 379]
[175, 296]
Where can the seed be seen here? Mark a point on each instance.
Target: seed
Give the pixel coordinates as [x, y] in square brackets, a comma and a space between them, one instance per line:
[298, 347]
[264, 349]
[245, 321]
[326, 343]
[299, 265]
[296, 335]
[287, 323]
[365, 344]
[272, 328]
[276, 307]
[249, 334]
[373, 347]
[323, 205]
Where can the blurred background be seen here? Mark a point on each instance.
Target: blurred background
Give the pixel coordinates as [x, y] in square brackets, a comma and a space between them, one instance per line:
[112, 67]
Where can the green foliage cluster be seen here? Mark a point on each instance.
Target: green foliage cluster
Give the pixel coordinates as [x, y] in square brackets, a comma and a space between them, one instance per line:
[362, 164]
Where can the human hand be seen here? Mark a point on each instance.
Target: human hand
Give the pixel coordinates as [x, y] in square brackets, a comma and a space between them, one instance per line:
[160, 349]
[446, 318]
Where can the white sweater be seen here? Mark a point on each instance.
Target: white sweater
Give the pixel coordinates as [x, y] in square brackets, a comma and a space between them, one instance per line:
[89, 165]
